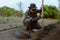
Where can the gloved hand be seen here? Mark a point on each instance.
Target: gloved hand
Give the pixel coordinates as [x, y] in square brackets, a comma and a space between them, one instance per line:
[34, 19]
[37, 18]
[28, 19]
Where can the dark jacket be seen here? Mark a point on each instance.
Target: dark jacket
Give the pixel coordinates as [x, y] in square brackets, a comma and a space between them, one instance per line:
[33, 17]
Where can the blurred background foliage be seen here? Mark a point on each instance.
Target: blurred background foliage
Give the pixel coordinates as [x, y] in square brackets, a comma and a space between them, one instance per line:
[49, 12]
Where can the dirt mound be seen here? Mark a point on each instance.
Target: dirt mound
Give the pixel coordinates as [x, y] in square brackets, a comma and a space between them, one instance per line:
[53, 34]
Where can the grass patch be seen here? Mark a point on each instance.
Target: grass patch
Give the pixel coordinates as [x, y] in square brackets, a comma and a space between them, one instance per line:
[15, 25]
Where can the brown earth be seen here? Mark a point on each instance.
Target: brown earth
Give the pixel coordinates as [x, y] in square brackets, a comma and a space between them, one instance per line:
[52, 35]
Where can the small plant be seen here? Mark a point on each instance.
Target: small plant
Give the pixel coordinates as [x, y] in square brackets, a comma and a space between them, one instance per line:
[2, 20]
[49, 27]
[14, 25]
[7, 19]
[58, 22]
[4, 29]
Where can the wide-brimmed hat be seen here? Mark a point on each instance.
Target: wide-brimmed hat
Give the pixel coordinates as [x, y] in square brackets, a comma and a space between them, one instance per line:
[32, 6]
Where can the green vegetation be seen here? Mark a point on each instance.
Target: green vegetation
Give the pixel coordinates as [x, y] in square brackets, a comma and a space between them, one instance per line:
[49, 27]
[58, 22]
[12, 26]
[15, 25]
[2, 20]
[9, 12]
[58, 16]
[50, 11]
[5, 19]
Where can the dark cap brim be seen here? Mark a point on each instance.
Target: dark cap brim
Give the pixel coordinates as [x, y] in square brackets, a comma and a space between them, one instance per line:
[32, 7]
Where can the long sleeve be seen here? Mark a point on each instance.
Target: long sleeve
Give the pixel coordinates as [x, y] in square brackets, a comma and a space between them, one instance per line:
[27, 15]
[27, 18]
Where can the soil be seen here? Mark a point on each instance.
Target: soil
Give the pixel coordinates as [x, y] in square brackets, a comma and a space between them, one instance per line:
[54, 34]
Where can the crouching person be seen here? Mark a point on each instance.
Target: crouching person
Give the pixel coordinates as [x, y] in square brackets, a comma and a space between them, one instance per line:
[31, 18]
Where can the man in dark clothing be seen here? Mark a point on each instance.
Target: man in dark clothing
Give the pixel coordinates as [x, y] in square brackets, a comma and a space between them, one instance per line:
[31, 18]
